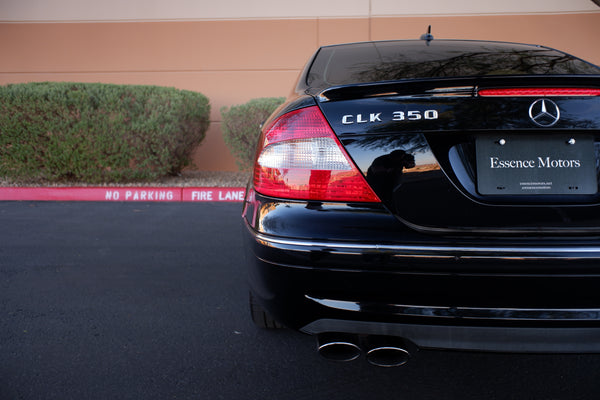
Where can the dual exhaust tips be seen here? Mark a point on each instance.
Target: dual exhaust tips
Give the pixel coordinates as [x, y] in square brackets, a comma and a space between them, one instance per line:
[381, 351]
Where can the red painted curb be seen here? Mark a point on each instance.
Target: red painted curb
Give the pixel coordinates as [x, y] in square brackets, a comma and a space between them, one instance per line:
[151, 194]
[213, 194]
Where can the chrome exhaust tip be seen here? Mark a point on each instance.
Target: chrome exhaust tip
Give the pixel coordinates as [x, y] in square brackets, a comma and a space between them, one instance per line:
[338, 347]
[387, 351]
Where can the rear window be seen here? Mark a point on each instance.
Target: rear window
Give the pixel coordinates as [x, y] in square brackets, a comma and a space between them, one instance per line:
[395, 60]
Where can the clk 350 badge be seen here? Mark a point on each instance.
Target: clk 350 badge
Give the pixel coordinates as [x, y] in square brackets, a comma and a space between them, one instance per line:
[396, 116]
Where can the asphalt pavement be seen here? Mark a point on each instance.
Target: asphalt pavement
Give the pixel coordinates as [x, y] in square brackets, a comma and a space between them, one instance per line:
[149, 301]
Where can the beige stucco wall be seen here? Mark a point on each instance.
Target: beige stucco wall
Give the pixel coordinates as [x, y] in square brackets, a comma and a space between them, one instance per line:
[232, 53]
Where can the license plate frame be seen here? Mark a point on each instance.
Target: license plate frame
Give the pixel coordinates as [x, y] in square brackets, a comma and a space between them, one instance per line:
[553, 164]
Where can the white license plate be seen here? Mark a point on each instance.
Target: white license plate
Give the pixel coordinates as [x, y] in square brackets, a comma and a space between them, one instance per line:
[553, 164]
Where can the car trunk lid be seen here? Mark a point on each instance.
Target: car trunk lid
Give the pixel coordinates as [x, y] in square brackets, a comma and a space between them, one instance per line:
[445, 156]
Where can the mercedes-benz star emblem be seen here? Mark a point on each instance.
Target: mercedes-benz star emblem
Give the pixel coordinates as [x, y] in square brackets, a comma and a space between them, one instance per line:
[544, 112]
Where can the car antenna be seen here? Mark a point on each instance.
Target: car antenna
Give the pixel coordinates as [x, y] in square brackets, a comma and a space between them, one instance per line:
[427, 36]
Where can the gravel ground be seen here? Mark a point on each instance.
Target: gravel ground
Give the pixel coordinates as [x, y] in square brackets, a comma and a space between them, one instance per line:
[186, 179]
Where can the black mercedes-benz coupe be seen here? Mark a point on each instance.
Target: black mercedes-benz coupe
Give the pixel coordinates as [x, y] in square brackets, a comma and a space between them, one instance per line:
[431, 194]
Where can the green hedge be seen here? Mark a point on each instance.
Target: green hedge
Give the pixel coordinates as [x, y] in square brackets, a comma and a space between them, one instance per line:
[97, 132]
[241, 127]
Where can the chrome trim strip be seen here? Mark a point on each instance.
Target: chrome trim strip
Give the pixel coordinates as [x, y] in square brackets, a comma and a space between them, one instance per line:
[471, 313]
[529, 252]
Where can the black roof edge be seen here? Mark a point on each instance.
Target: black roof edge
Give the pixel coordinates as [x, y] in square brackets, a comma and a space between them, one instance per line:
[439, 40]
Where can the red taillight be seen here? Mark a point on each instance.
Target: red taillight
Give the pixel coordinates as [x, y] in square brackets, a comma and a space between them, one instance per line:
[538, 92]
[301, 158]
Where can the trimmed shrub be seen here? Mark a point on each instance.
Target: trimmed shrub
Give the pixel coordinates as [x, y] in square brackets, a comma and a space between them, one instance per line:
[97, 132]
[241, 127]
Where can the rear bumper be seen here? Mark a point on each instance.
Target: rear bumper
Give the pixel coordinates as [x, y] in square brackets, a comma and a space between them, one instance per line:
[538, 298]
[472, 338]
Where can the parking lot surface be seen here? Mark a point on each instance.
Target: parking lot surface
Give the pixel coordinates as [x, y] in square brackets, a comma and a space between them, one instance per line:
[149, 301]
